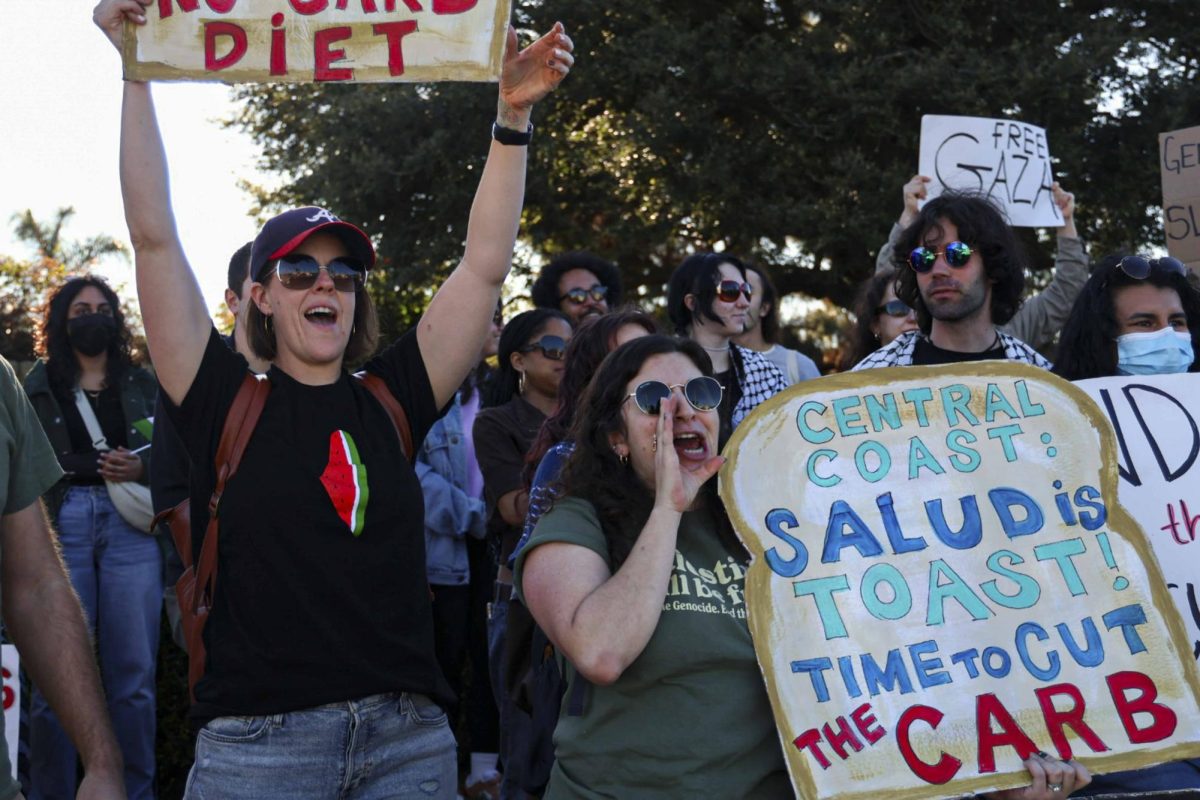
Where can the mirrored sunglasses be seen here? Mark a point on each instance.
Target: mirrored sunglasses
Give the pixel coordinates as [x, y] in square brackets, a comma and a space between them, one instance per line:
[300, 272]
[728, 291]
[552, 347]
[579, 295]
[894, 308]
[1140, 267]
[702, 393]
[957, 255]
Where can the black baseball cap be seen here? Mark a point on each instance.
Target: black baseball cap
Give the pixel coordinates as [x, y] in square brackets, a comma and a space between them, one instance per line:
[284, 233]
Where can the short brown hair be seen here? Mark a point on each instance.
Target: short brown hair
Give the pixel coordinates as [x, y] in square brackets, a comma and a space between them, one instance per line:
[364, 335]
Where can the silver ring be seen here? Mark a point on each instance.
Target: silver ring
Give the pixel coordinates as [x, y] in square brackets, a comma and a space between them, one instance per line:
[1054, 787]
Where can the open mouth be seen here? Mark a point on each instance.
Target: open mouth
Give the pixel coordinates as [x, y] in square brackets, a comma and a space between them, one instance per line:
[322, 316]
[691, 446]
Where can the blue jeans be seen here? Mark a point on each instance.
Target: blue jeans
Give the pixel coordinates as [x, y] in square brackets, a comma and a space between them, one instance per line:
[117, 572]
[383, 746]
[514, 725]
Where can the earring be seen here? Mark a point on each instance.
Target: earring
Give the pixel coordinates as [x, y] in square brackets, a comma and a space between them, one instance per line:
[622, 457]
[267, 324]
[521, 382]
[654, 444]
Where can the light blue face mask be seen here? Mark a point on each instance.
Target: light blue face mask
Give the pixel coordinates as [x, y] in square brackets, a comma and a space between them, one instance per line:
[1154, 353]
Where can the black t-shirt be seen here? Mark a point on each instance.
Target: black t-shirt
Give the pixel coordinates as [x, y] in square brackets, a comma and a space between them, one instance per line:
[729, 399]
[321, 592]
[926, 353]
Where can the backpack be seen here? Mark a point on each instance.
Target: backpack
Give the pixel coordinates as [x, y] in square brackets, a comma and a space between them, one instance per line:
[196, 586]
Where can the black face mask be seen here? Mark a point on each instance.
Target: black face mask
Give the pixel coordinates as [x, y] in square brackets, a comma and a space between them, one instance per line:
[91, 333]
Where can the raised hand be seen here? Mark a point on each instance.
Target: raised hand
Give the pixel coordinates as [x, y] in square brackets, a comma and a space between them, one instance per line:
[914, 191]
[1066, 206]
[531, 74]
[110, 16]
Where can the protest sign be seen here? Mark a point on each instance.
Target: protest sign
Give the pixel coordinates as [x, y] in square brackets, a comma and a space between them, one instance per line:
[1179, 154]
[943, 583]
[294, 41]
[10, 666]
[1156, 419]
[1007, 160]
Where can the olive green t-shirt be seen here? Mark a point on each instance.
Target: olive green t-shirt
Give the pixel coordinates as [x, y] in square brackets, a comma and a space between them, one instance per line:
[690, 716]
[27, 469]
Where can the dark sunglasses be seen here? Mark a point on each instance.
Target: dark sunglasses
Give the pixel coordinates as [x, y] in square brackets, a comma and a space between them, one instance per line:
[703, 393]
[728, 291]
[957, 254]
[894, 308]
[1140, 267]
[301, 272]
[579, 295]
[552, 347]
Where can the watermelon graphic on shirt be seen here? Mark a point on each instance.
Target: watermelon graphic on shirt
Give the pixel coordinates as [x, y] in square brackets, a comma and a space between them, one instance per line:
[345, 480]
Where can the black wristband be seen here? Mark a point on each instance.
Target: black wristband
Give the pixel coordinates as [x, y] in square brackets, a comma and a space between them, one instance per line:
[509, 136]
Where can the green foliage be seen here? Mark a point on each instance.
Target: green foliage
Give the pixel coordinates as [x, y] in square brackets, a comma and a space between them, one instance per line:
[780, 130]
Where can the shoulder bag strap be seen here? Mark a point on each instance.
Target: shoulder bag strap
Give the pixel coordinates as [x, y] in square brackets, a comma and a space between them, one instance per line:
[90, 421]
[235, 435]
[391, 405]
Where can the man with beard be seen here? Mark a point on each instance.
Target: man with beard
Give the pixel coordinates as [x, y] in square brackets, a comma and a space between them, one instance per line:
[964, 274]
[578, 284]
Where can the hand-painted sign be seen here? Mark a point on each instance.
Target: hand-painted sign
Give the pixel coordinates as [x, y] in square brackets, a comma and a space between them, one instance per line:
[1157, 424]
[943, 583]
[11, 669]
[1007, 160]
[1179, 154]
[295, 41]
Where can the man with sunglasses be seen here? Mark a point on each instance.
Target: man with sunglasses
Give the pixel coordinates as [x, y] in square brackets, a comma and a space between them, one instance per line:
[964, 276]
[580, 285]
[1041, 316]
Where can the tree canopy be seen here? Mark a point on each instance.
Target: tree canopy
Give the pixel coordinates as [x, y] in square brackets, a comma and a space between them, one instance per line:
[780, 130]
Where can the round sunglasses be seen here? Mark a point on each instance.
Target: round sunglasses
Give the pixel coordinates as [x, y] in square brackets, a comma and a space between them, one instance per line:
[894, 308]
[1140, 267]
[728, 291]
[301, 272]
[702, 393]
[579, 295]
[957, 255]
[552, 347]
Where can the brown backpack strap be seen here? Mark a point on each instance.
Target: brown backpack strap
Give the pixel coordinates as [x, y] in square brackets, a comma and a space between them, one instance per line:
[391, 405]
[235, 435]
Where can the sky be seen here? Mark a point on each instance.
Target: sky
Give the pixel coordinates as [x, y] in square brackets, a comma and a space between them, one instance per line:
[60, 103]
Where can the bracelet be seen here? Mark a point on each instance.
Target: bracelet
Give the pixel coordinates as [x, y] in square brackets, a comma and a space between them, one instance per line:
[511, 137]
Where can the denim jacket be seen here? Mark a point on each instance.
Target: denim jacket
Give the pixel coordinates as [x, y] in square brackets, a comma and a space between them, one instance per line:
[450, 513]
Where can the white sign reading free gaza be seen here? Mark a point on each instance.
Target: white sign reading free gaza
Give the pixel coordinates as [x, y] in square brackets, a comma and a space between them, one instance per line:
[1007, 160]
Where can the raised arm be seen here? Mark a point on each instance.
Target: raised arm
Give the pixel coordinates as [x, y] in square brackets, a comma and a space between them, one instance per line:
[177, 323]
[914, 192]
[452, 329]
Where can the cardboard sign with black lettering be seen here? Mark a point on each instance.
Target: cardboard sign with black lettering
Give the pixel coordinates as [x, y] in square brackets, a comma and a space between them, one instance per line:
[297, 41]
[1179, 154]
[1007, 160]
[943, 583]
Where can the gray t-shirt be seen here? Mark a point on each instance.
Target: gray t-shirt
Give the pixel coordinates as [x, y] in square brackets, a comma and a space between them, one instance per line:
[794, 365]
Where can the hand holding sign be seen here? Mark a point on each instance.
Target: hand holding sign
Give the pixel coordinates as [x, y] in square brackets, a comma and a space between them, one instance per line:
[110, 16]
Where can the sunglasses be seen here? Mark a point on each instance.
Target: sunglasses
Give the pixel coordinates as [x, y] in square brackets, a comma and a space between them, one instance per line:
[579, 295]
[957, 254]
[894, 308]
[1140, 267]
[301, 272]
[728, 291]
[703, 394]
[552, 347]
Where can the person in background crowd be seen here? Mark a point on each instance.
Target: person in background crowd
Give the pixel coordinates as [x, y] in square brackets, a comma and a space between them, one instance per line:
[321, 614]
[461, 571]
[879, 317]
[580, 285]
[115, 568]
[523, 392]
[964, 276]
[1135, 316]
[1042, 315]
[640, 515]
[41, 609]
[708, 300]
[169, 480]
[762, 330]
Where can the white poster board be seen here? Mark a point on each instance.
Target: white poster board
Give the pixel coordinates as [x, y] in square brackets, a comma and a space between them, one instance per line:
[11, 667]
[1179, 154]
[1005, 159]
[1157, 424]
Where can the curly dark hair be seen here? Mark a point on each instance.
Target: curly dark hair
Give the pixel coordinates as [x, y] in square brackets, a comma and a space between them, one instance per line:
[545, 289]
[518, 332]
[590, 344]
[595, 473]
[698, 275]
[54, 345]
[862, 341]
[1087, 347]
[982, 226]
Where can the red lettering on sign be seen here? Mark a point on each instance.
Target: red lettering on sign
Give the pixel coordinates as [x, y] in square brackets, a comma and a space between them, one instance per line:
[9, 696]
[395, 31]
[221, 6]
[368, 6]
[1057, 720]
[309, 7]
[166, 8]
[324, 55]
[213, 30]
[413, 5]
[987, 708]
[864, 719]
[842, 737]
[278, 47]
[947, 765]
[809, 739]
[453, 6]
[1164, 719]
